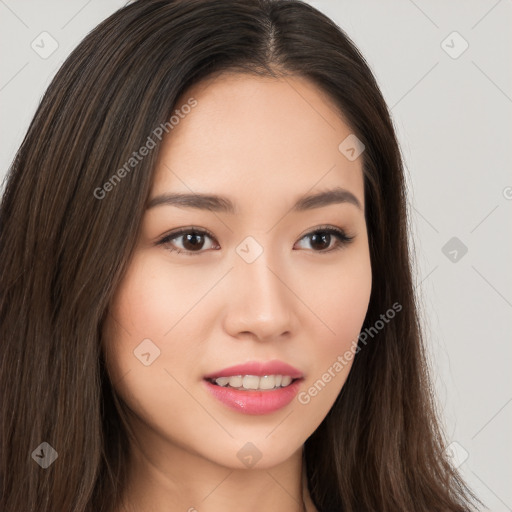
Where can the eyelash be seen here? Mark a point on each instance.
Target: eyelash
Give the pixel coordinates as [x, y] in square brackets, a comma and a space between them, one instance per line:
[342, 238]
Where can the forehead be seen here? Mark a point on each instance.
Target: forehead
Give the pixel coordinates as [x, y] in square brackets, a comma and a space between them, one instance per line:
[256, 134]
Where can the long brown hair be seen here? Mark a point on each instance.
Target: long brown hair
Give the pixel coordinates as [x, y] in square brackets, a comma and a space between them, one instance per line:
[64, 249]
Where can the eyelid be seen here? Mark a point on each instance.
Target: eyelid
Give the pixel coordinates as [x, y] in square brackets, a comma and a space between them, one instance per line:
[329, 228]
[185, 230]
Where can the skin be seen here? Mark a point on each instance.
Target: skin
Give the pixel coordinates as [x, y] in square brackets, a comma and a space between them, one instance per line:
[263, 143]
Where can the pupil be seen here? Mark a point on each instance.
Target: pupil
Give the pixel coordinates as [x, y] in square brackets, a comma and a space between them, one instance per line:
[325, 238]
[189, 239]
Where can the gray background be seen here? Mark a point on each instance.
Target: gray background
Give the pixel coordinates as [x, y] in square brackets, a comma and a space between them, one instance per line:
[453, 116]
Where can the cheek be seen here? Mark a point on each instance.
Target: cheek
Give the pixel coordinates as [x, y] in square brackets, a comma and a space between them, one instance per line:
[341, 300]
[151, 303]
[341, 303]
[349, 302]
[168, 306]
[145, 307]
[148, 315]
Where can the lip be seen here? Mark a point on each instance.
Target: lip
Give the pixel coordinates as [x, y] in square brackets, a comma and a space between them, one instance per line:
[259, 369]
[252, 401]
[256, 401]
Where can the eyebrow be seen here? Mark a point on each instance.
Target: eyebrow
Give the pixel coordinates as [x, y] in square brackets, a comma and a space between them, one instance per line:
[215, 203]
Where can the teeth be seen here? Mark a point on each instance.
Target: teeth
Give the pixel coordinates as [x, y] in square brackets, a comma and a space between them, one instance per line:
[222, 381]
[254, 382]
[267, 382]
[235, 382]
[251, 382]
[286, 381]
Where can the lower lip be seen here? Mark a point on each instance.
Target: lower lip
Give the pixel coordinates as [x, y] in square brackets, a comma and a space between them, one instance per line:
[252, 401]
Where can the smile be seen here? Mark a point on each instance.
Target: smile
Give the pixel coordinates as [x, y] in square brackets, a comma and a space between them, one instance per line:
[255, 387]
[253, 382]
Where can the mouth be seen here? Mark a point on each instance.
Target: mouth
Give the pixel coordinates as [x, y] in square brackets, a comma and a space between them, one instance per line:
[253, 382]
[255, 387]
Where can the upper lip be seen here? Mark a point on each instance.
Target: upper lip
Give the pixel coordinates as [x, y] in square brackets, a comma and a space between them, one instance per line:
[258, 368]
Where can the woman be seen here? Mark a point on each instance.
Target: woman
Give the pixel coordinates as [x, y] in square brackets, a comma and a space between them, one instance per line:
[208, 301]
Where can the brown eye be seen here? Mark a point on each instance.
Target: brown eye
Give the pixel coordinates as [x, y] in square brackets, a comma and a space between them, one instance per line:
[192, 241]
[327, 239]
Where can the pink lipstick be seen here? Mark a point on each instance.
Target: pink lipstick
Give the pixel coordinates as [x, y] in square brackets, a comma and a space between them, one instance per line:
[255, 387]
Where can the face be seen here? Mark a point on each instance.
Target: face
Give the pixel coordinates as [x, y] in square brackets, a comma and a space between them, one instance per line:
[276, 285]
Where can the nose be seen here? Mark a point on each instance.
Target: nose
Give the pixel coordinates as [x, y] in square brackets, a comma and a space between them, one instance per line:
[260, 301]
